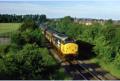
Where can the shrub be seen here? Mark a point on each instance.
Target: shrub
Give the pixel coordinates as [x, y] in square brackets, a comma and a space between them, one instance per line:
[31, 62]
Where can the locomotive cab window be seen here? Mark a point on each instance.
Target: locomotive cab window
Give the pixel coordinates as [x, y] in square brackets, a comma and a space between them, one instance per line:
[69, 40]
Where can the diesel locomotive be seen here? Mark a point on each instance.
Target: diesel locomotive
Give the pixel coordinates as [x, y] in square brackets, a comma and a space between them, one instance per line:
[65, 45]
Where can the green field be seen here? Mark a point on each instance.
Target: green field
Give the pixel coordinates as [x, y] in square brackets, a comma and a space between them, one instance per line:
[8, 27]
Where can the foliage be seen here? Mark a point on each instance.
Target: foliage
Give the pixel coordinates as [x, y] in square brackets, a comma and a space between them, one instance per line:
[47, 58]
[28, 24]
[5, 18]
[61, 75]
[109, 23]
[28, 36]
[3, 50]
[42, 18]
[28, 63]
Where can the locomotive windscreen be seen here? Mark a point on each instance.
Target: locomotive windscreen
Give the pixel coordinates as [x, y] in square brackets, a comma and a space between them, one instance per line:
[69, 40]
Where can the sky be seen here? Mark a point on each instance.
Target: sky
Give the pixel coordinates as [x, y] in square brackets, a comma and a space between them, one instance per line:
[98, 9]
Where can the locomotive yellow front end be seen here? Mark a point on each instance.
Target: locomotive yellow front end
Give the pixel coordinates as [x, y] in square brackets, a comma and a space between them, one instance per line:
[70, 49]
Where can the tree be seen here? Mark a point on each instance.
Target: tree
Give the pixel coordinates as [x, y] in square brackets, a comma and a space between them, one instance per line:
[42, 18]
[28, 36]
[23, 65]
[28, 24]
[109, 23]
[67, 19]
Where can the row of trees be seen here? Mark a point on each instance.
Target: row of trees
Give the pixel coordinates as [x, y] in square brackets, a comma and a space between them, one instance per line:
[5, 18]
[105, 38]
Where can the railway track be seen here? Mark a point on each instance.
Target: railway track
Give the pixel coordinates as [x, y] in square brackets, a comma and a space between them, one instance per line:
[83, 71]
[76, 69]
[101, 74]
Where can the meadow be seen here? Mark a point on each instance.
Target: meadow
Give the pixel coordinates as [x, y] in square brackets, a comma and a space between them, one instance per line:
[6, 28]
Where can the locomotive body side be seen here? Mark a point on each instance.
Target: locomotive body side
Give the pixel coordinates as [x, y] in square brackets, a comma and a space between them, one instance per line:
[61, 43]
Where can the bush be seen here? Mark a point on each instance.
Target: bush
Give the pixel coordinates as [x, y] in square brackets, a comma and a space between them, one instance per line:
[117, 59]
[28, 36]
[17, 39]
[31, 62]
[28, 24]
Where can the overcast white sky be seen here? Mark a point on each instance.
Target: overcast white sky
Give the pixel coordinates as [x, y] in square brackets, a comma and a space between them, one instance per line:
[106, 9]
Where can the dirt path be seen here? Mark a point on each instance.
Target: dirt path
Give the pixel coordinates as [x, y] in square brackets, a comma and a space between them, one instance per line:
[4, 40]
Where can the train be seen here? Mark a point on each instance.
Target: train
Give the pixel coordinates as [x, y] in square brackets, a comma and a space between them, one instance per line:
[64, 44]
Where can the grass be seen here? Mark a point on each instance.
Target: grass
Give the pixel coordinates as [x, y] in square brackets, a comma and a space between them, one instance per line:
[6, 28]
[111, 68]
